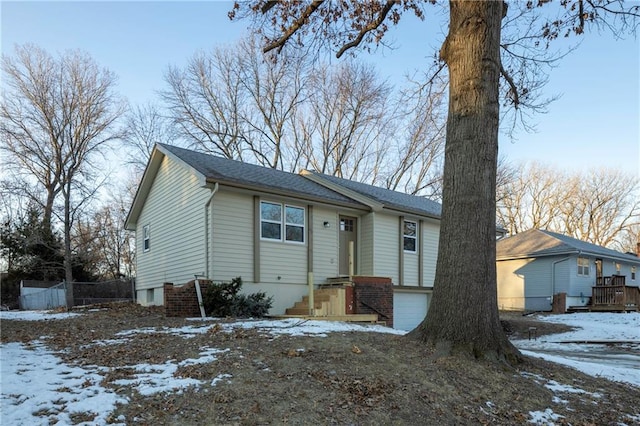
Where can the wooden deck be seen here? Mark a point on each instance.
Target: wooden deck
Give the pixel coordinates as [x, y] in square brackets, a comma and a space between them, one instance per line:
[611, 294]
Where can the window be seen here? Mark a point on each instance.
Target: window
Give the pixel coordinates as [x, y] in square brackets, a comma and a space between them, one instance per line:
[617, 268]
[410, 236]
[294, 224]
[146, 238]
[272, 222]
[633, 273]
[583, 266]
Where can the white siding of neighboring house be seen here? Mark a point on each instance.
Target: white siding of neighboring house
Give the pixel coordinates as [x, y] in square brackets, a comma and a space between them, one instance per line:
[511, 284]
[174, 211]
[232, 228]
[325, 244]
[386, 247]
[367, 244]
[430, 235]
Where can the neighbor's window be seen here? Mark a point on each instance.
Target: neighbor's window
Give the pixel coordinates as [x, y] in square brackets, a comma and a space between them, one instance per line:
[146, 238]
[410, 236]
[272, 222]
[583, 266]
[633, 273]
[617, 269]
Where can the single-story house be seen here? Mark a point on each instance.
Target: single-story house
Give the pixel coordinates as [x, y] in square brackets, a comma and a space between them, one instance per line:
[535, 265]
[196, 214]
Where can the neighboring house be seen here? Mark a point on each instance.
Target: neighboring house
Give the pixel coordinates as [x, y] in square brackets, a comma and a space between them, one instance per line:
[535, 265]
[197, 214]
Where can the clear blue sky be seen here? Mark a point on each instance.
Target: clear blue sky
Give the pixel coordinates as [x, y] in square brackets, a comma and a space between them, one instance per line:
[595, 123]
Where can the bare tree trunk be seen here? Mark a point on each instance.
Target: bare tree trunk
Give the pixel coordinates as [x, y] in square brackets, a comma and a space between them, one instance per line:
[68, 264]
[465, 279]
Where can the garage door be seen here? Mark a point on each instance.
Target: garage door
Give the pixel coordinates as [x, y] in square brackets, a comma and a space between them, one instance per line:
[409, 309]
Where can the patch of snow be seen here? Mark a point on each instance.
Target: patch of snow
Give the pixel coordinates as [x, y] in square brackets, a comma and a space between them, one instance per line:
[546, 417]
[220, 378]
[38, 388]
[156, 378]
[619, 363]
[296, 327]
[36, 315]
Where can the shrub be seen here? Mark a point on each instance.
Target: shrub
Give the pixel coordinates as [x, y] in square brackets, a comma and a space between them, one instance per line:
[223, 300]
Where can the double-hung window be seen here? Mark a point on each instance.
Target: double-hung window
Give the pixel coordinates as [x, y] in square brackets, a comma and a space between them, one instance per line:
[583, 266]
[280, 222]
[633, 273]
[146, 238]
[410, 236]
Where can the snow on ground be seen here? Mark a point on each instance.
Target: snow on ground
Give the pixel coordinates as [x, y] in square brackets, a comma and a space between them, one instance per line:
[35, 315]
[38, 388]
[614, 352]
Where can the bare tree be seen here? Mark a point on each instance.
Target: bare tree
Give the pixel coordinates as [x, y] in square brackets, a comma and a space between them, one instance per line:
[106, 244]
[57, 115]
[466, 268]
[599, 206]
[145, 126]
[349, 107]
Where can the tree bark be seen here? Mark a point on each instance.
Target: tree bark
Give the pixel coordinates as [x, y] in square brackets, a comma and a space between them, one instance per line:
[465, 280]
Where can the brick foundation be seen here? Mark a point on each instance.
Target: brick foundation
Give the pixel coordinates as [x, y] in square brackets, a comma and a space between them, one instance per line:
[373, 295]
[182, 301]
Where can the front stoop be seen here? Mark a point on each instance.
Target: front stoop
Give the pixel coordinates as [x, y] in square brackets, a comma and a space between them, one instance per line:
[327, 301]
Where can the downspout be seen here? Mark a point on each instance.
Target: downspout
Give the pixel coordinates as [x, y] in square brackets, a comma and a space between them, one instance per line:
[553, 274]
[206, 230]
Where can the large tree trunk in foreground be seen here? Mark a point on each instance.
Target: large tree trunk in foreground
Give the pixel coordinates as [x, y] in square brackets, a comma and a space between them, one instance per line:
[463, 316]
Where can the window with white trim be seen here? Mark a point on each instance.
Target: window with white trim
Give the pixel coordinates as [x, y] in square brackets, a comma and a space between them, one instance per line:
[633, 273]
[617, 265]
[276, 217]
[583, 266]
[146, 238]
[410, 236]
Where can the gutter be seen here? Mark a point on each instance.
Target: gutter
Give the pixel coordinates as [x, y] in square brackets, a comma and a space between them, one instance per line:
[553, 274]
[206, 229]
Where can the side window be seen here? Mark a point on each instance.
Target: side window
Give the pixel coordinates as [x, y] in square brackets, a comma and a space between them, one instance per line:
[273, 222]
[410, 236]
[294, 224]
[633, 273]
[270, 221]
[146, 238]
[583, 266]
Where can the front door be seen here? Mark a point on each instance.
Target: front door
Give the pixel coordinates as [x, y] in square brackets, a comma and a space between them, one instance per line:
[348, 233]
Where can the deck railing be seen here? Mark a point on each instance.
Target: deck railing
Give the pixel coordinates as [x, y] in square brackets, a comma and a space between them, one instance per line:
[615, 295]
[612, 280]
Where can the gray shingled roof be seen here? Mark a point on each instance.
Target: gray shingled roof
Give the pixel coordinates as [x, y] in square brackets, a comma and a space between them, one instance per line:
[390, 199]
[539, 243]
[232, 172]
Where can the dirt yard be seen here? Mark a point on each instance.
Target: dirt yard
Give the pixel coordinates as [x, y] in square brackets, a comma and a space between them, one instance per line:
[345, 378]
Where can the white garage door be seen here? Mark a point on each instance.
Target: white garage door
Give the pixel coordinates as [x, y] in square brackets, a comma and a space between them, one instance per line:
[409, 309]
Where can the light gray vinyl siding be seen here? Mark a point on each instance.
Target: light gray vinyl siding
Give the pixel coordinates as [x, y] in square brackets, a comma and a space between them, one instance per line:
[232, 236]
[511, 284]
[579, 285]
[387, 247]
[284, 263]
[174, 212]
[410, 260]
[367, 245]
[565, 275]
[325, 244]
[430, 235]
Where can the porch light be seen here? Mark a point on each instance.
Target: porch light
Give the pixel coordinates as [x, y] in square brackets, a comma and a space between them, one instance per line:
[326, 224]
